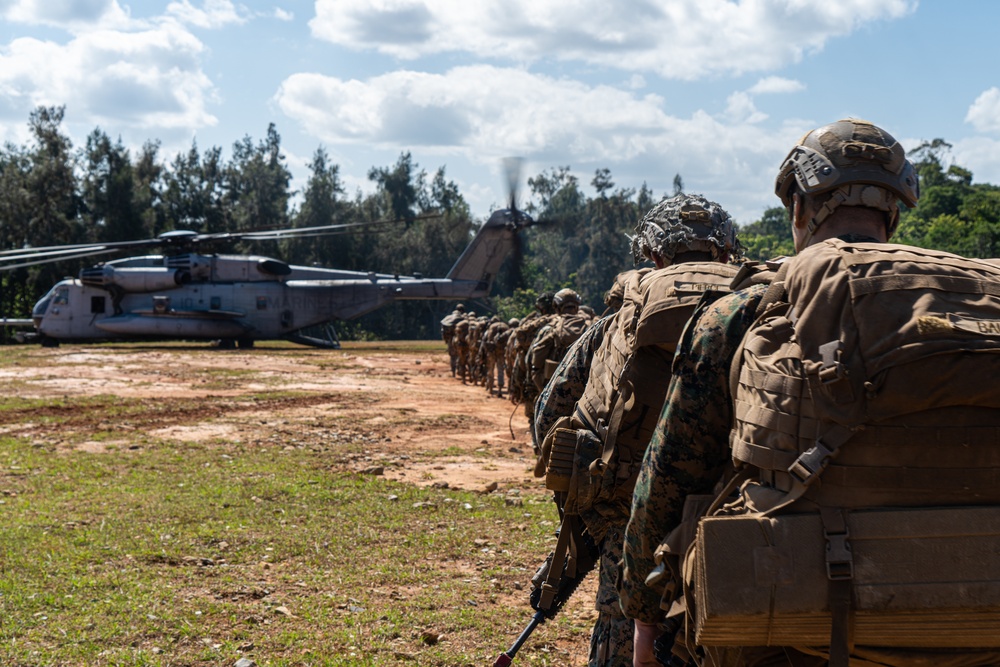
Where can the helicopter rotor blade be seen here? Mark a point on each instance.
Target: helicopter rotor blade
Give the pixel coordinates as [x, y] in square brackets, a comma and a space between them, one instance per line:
[48, 259]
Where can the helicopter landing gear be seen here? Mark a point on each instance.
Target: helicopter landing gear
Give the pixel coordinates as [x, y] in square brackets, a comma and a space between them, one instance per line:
[47, 341]
[245, 343]
[226, 344]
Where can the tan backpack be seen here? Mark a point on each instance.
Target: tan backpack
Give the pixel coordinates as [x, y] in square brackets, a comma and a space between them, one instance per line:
[866, 400]
[628, 380]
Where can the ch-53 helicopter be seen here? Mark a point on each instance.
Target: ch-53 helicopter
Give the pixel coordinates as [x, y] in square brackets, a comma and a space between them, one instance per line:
[237, 300]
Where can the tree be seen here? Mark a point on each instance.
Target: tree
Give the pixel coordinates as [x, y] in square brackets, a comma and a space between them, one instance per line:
[322, 205]
[769, 237]
[108, 190]
[256, 185]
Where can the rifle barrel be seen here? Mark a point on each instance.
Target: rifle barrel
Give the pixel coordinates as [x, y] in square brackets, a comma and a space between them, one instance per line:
[505, 658]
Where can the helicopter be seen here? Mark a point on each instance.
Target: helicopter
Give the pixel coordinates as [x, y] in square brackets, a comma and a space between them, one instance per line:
[239, 299]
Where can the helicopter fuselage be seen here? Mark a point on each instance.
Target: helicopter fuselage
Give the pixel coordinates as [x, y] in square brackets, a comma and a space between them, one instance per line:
[220, 297]
[243, 298]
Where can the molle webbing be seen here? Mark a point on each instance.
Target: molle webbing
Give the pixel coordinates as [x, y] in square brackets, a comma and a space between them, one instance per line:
[894, 346]
[656, 306]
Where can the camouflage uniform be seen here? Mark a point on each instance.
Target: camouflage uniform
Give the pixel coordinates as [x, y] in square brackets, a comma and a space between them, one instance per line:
[476, 330]
[448, 335]
[521, 388]
[566, 385]
[690, 447]
[491, 354]
[551, 343]
[461, 341]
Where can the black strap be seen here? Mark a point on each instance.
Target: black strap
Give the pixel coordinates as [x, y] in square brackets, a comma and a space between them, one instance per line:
[840, 573]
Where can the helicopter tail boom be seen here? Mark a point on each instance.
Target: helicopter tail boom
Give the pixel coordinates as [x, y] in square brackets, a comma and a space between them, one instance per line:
[493, 243]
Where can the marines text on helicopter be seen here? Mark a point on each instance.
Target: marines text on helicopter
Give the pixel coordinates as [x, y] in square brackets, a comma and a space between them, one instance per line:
[239, 299]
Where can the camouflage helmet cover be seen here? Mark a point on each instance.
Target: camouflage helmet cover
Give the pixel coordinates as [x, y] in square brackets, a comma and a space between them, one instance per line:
[862, 164]
[684, 223]
[565, 296]
[513, 322]
[460, 308]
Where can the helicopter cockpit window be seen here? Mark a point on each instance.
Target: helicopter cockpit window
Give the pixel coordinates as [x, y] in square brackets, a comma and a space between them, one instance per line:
[216, 303]
[97, 305]
[62, 296]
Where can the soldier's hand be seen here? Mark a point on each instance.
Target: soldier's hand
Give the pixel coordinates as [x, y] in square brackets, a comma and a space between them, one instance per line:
[645, 635]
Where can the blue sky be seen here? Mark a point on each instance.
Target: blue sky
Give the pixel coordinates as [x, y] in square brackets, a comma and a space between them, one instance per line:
[715, 90]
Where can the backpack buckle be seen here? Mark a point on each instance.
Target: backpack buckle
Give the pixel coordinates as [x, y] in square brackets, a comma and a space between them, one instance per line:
[810, 464]
[839, 559]
[831, 370]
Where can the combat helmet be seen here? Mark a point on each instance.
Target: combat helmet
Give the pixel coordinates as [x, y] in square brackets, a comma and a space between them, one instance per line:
[859, 163]
[565, 297]
[684, 223]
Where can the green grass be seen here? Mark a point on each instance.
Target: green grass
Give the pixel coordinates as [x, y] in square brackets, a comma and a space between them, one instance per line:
[183, 554]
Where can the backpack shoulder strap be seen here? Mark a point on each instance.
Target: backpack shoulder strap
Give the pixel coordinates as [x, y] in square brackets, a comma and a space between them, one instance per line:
[775, 293]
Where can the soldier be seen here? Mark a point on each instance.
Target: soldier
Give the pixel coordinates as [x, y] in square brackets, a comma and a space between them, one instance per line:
[690, 240]
[461, 342]
[854, 381]
[492, 349]
[519, 343]
[476, 328]
[564, 388]
[552, 340]
[448, 335]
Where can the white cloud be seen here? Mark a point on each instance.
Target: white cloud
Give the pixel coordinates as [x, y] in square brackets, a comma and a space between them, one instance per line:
[984, 114]
[776, 84]
[212, 14]
[682, 39]
[72, 15]
[144, 79]
[740, 108]
[484, 113]
[283, 15]
[636, 82]
[981, 155]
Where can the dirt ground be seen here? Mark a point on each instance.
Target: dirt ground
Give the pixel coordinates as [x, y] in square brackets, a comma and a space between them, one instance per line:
[419, 425]
[407, 402]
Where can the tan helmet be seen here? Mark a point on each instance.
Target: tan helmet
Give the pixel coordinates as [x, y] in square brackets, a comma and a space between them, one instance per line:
[565, 297]
[860, 163]
[684, 223]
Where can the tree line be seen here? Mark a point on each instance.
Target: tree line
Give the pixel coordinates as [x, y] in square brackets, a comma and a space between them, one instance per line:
[53, 193]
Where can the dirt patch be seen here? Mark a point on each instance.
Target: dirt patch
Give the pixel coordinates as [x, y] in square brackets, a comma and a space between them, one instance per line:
[406, 408]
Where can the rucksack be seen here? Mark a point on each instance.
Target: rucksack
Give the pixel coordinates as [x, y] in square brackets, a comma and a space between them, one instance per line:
[629, 375]
[866, 402]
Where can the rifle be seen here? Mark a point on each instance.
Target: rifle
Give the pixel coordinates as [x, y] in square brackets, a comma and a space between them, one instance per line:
[559, 576]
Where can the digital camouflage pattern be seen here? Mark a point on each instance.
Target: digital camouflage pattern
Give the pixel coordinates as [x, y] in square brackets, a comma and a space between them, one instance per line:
[690, 447]
[611, 639]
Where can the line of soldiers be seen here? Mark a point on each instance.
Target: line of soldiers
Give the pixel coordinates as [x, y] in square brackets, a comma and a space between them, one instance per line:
[785, 463]
[487, 351]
